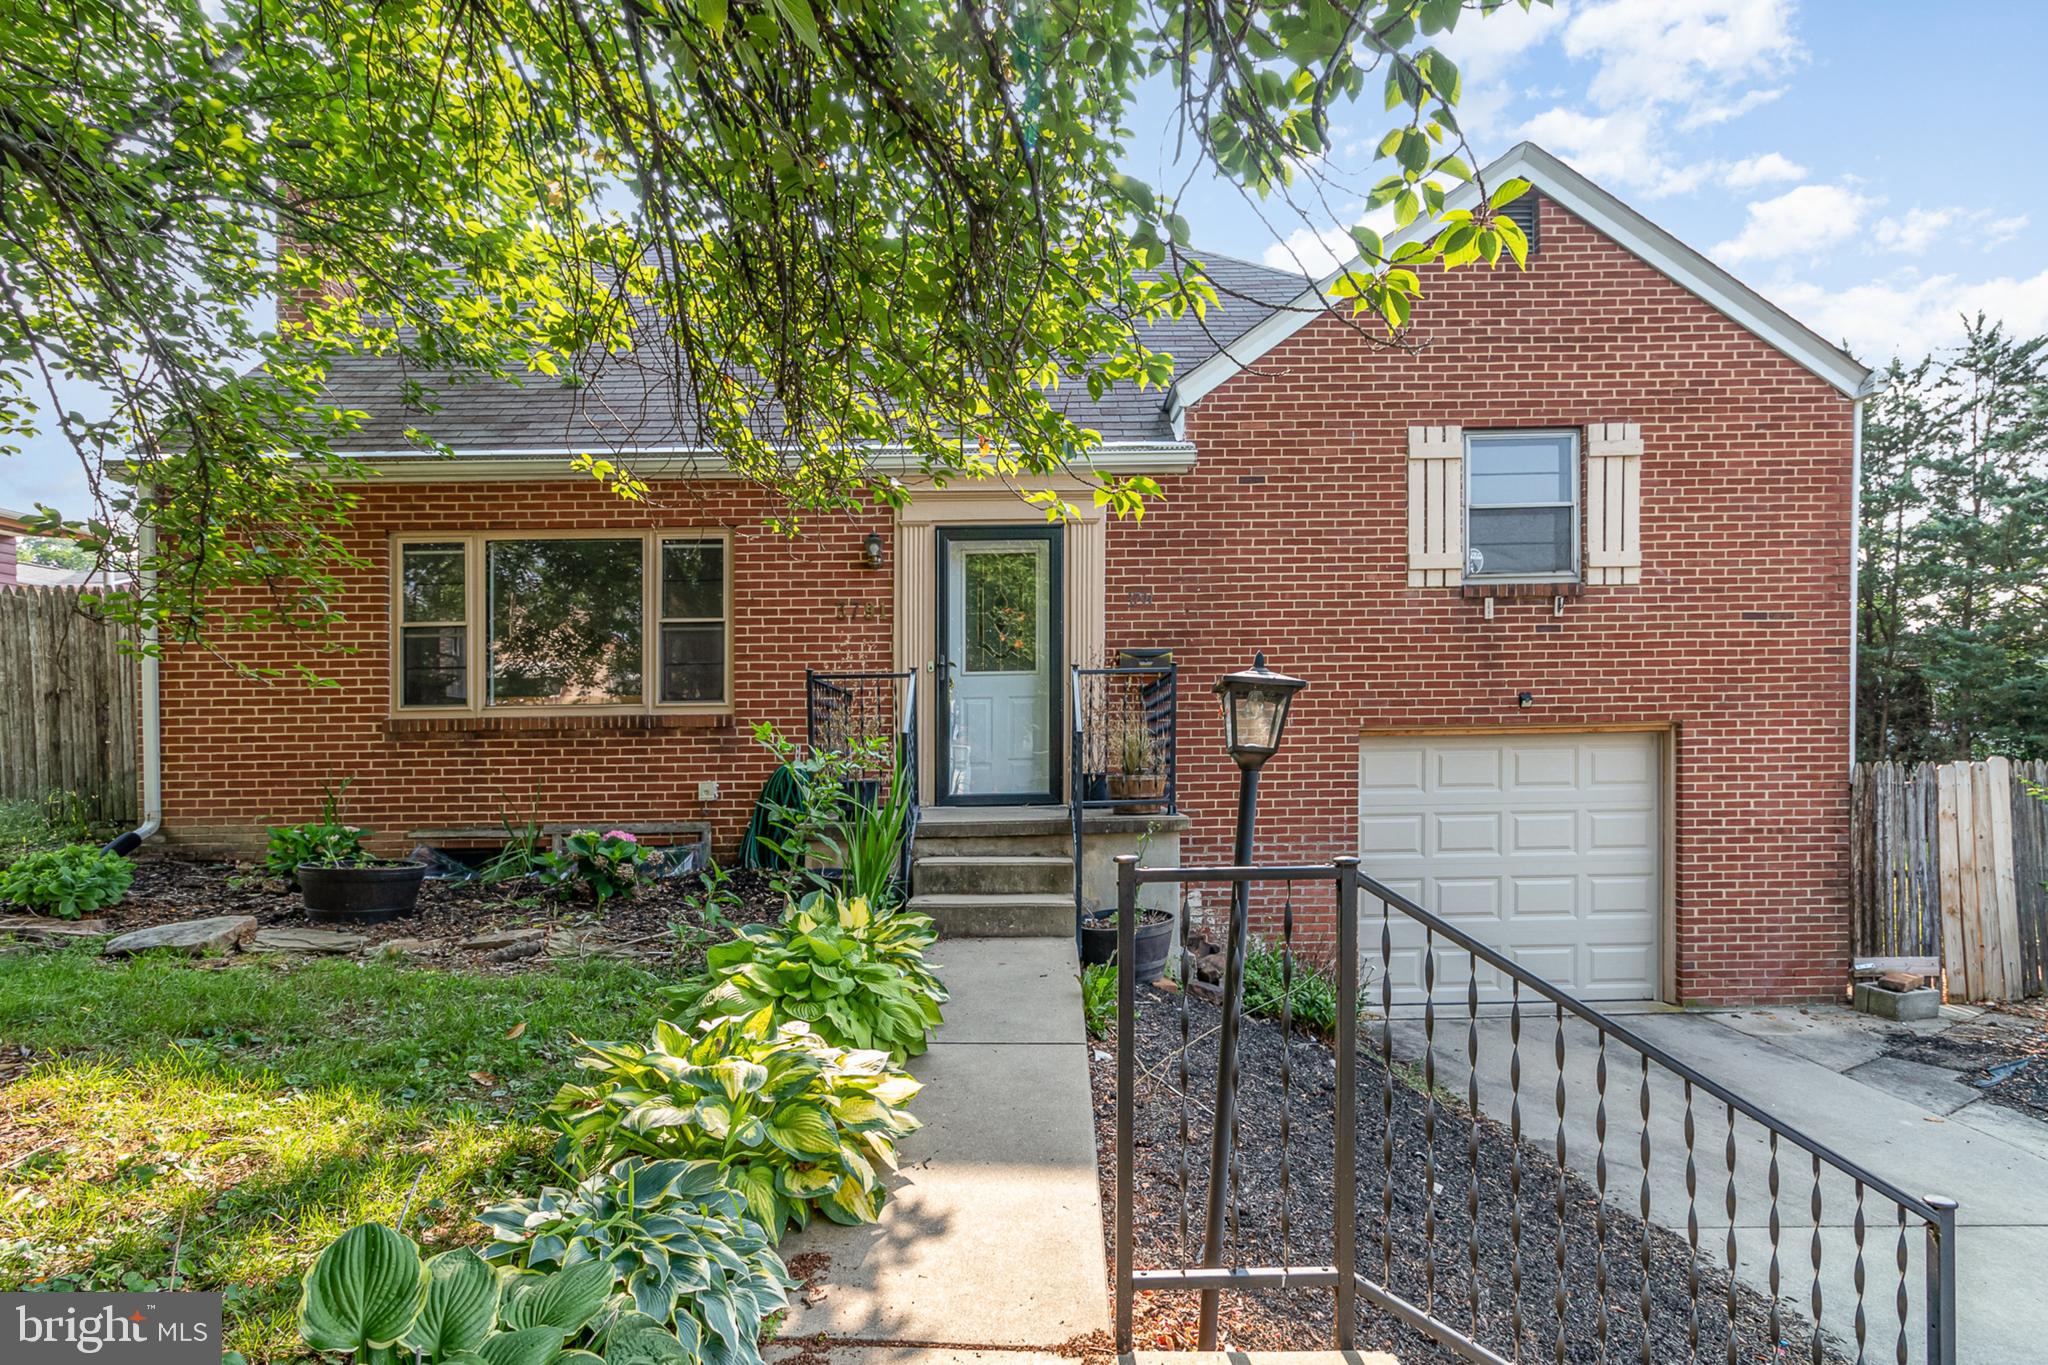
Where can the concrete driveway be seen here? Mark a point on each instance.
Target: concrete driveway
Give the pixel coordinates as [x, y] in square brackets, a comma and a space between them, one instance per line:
[1822, 1071]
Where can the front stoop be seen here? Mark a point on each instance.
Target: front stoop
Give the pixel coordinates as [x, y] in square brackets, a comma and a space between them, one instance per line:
[995, 872]
[990, 1247]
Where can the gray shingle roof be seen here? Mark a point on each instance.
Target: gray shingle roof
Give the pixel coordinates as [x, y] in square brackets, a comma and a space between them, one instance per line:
[628, 403]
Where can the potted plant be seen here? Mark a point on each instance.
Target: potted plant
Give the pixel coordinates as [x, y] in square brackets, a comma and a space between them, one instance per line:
[1137, 780]
[1155, 941]
[360, 890]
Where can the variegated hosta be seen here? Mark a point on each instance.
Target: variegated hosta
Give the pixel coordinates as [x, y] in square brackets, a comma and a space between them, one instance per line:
[371, 1296]
[858, 978]
[801, 1125]
[678, 1239]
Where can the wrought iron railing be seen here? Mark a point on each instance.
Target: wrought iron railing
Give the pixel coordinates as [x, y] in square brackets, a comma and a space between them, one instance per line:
[1554, 1260]
[875, 712]
[1111, 709]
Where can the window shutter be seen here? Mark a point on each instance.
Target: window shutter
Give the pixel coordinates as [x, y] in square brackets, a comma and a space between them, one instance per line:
[1614, 479]
[1436, 506]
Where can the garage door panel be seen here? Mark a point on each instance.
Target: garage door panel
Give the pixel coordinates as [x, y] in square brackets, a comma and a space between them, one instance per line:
[1547, 831]
[1466, 833]
[1545, 847]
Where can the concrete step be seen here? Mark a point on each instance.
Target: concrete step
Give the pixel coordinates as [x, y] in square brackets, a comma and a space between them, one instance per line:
[971, 842]
[1013, 916]
[993, 874]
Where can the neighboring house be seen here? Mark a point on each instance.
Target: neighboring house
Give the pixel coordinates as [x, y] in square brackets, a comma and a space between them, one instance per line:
[12, 529]
[92, 580]
[1570, 585]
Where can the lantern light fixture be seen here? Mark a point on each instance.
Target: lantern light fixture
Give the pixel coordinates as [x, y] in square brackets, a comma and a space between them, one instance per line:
[1255, 705]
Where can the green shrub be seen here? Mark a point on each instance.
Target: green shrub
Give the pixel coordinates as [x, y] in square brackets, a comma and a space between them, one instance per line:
[800, 1124]
[1098, 997]
[317, 842]
[858, 978]
[606, 865]
[370, 1295]
[870, 843]
[1313, 1002]
[66, 882]
[678, 1240]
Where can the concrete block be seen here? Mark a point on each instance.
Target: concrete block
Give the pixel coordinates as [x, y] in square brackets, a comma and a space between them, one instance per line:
[1874, 997]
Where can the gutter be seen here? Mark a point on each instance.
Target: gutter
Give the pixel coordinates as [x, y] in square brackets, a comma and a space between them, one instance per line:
[1863, 392]
[151, 704]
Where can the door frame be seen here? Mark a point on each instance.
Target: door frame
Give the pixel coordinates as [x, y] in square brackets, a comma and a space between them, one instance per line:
[1055, 630]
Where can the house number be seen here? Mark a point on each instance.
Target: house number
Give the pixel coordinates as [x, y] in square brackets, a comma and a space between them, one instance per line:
[1138, 597]
[861, 611]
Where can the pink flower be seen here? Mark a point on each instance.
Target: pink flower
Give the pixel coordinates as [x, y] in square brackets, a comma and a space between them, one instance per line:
[620, 835]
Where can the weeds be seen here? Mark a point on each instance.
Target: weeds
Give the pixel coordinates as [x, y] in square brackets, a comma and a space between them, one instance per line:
[1098, 997]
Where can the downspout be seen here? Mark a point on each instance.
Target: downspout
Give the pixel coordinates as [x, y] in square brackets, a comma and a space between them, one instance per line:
[151, 707]
[1856, 548]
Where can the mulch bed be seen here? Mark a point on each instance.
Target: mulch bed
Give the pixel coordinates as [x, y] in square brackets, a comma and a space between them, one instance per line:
[2004, 1053]
[1302, 1319]
[660, 922]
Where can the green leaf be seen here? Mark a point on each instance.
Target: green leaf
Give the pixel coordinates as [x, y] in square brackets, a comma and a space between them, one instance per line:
[563, 1301]
[712, 14]
[461, 1305]
[1507, 192]
[803, 1130]
[802, 21]
[526, 1346]
[363, 1291]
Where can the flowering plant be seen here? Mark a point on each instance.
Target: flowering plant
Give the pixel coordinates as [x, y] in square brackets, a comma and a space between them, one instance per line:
[608, 864]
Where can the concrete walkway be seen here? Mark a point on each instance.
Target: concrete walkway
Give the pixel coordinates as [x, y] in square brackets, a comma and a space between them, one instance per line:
[990, 1247]
[1818, 1069]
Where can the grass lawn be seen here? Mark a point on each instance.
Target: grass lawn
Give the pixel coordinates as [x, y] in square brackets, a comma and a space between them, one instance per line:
[265, 1108]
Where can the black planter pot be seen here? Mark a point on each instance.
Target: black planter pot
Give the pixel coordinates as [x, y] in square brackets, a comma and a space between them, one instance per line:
[1155, 941]
[360, 895]
[1095, 786]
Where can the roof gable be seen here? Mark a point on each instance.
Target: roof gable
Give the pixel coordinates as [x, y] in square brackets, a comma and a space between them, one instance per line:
[1629, 229]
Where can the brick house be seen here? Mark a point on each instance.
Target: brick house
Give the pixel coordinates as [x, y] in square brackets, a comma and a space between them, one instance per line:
[1570, 583]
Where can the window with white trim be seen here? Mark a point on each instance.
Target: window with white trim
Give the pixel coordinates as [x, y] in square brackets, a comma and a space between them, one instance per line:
[1521, 505]
[545, 621]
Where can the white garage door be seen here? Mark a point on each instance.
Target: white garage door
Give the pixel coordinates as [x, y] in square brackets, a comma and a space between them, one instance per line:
[1545, 846]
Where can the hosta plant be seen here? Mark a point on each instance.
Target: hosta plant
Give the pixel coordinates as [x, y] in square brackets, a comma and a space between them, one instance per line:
[66, 882]
[801, 1126]
[370, 1295]
[678, 1240]
[606, 865]
[858, 978]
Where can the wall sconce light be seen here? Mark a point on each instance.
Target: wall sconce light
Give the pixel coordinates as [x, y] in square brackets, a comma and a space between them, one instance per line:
[871, 550]
[1525, 700]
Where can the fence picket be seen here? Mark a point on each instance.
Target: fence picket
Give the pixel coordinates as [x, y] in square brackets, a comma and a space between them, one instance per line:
[69, 719]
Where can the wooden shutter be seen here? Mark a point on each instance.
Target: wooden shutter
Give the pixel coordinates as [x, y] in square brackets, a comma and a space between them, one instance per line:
[1436, 506]
[1614, 478]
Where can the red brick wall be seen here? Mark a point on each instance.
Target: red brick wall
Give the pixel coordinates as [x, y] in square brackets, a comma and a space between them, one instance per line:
[1290, 536]
[241, 753]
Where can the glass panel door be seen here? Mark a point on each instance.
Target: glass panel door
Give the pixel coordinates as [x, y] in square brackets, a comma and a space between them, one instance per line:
[998, 657]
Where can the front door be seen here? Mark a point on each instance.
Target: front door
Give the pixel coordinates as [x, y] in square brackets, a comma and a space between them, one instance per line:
[998, 663]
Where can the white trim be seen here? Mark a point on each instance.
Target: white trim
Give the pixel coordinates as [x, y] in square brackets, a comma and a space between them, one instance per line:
[1855, 566]
[695, 462]
[1631, 230]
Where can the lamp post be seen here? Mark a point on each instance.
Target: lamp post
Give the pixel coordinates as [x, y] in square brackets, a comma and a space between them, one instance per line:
[1255, 704]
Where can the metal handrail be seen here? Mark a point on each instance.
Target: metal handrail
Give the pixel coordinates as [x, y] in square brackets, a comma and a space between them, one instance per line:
[1937, 1214]
[1161, 714]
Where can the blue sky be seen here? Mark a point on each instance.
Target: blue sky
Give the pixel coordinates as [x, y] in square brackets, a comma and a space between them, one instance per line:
[1874, 166]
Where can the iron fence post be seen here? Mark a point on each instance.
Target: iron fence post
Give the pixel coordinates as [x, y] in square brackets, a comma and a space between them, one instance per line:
[1347, 1103]
[1226, 1055]
[1126, 1083]
[1941, 1282]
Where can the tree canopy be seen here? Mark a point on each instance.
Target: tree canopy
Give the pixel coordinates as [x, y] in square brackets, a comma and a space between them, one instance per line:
[832, 226]
[1952, 621]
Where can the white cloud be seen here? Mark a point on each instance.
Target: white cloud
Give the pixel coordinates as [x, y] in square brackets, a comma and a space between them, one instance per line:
[1615, 148]
[1697, 54]
[1770, 168]
[1910, 314]
[1486, 50]
[1310, 252]
[1795, 222]
[1707, 114]
[1919, 230]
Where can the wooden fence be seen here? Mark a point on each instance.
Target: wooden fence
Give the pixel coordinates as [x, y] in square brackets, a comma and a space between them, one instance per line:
[67, 704]
[1947, 862]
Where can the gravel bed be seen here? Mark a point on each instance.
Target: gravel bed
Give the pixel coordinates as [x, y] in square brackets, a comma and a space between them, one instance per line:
[1401, 1253]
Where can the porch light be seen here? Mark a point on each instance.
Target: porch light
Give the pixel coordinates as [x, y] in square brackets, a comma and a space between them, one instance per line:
[1255, 704]
[871, 550]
